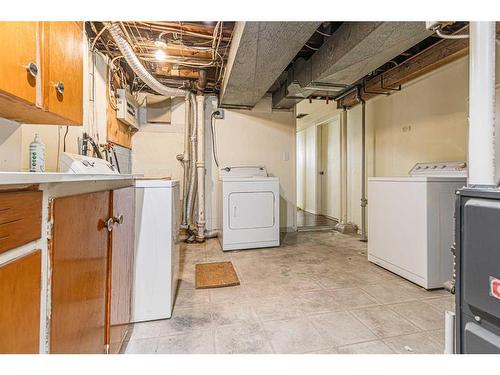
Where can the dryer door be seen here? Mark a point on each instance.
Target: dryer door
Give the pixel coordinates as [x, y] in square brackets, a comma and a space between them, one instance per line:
[251, 210]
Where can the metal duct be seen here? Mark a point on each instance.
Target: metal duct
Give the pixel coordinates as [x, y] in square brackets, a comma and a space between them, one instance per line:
[136, 65]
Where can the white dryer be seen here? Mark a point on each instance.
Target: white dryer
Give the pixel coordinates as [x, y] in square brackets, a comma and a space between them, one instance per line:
[248, 208]
[410, 222]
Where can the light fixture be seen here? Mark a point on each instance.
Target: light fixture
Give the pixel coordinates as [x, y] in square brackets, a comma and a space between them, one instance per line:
[160, 43]
[160, 55]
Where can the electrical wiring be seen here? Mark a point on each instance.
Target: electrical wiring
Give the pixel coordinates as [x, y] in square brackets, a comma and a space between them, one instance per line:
[64, 138]
[450, 36]
[308, 46]
[98, 36]
[190, 46]
[58, 146]
[322, 33]
[214, 139]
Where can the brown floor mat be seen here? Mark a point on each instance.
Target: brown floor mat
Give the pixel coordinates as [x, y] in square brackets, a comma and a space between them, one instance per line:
[216, 275]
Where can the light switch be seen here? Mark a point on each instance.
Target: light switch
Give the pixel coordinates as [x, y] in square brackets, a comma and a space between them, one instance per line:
[286, 156]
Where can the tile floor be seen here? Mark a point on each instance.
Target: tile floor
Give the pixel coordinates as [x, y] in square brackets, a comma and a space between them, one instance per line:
[317, 293]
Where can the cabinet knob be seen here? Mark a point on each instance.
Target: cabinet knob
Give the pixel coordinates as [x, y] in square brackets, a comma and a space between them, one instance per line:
[59, 87]
[118, 219]
[32, 69]
[109, 224]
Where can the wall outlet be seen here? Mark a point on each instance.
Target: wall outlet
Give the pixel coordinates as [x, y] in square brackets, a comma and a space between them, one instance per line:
[218, 114]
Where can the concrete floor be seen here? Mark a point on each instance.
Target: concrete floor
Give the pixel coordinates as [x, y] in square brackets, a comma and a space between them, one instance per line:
[315, 294]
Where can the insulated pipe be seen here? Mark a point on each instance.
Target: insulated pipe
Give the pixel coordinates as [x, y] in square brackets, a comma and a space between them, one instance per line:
[192, 159]
[481, 104]
[364, 201]
[185, 159]
[343, 167]
[200, 166]
[136, 65]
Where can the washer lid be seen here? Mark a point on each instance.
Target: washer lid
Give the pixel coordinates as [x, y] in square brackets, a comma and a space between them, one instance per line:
[243, 172]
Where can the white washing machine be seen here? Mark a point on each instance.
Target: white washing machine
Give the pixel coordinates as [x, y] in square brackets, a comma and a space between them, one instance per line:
[248, 208]
[410, 222]
[156, 261]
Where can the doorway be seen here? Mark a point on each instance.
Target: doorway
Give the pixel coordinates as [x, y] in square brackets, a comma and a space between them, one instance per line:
[318, 176]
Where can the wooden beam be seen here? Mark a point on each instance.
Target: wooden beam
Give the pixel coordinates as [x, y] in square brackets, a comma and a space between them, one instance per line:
[431, 58]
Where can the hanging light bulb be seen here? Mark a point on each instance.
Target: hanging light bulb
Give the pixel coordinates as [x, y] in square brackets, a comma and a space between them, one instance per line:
[160, 55]
[160, 43]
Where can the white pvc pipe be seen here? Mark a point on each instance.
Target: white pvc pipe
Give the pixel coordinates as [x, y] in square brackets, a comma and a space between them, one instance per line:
[343, 167]
[449, 332]
[185, 159]
[200, 166]
[481, 103]
[192, 159]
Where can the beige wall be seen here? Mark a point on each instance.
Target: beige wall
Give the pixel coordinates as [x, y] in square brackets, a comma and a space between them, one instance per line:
[155, 146]
[257, 137]
[426, 121]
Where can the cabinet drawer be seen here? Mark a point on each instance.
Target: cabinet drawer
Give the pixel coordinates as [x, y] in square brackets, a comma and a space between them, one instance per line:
[20, 218]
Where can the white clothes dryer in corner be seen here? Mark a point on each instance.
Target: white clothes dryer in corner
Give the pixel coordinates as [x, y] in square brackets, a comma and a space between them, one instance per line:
[248, 208]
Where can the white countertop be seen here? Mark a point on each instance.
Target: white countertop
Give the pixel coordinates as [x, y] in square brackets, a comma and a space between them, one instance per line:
[13, 178]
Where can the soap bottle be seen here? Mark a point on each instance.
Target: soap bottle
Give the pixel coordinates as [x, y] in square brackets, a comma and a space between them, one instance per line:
[37, 155]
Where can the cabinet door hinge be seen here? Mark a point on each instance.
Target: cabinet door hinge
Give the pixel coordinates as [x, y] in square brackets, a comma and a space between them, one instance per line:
[49, 229]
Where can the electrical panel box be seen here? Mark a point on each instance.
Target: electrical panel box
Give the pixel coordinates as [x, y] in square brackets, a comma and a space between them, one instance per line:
[127, 108]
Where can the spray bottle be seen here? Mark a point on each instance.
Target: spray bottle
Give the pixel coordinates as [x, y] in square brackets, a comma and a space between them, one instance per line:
[37, 155]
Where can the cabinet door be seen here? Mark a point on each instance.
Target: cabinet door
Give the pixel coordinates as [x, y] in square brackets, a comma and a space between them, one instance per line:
[79, 273]
[121, 270]
[63, 70]
[20, 305]
[18, 49]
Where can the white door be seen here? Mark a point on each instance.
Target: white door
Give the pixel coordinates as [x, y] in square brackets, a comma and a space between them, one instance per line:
[301, 169]
[330, 168]
[312, 188]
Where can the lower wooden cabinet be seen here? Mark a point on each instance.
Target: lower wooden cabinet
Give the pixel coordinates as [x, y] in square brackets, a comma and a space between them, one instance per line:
[121, 255]
[92, 268]
[79, 273]
[20, 283]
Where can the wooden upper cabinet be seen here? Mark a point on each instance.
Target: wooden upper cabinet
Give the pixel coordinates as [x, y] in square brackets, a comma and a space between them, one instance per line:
[63, 69]
[41, 72]
[19, 65]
